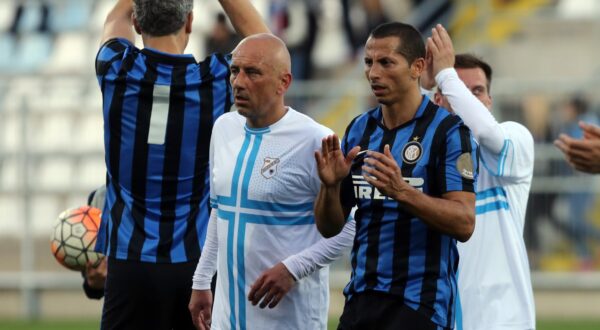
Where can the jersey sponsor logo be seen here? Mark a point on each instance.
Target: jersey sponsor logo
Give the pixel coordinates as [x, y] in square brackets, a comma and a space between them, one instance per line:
[364, 190]
[412, 151]
[464, 165]
[269, 168]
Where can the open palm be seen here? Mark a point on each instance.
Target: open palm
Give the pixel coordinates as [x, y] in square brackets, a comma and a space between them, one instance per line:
[333, 167]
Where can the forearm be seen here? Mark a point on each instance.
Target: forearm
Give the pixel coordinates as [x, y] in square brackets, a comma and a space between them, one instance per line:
[475, 115]
[329, 214]
[450, 216]
[207, 265]
[321, 254]
[244, 17]
[118, 22]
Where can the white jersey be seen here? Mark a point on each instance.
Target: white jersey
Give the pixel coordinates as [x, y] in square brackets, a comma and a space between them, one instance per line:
[263, 185]
[494, 279]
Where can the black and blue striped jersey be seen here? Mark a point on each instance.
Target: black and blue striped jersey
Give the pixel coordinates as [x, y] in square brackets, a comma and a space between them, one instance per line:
[394, 251]
[159, 111]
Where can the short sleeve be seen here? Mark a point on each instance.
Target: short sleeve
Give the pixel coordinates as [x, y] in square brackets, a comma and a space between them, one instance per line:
[109, 54]
[458, 165]
[517, 155]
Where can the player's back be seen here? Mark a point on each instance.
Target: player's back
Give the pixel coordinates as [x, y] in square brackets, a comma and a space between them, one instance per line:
[158, 110]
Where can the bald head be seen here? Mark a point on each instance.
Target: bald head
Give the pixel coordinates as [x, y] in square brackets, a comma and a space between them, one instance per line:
[267, 48]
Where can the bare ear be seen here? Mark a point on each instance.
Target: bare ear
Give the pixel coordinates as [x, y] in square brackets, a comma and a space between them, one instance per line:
[417, 67]
[188, 22]
[437, 98]
[286, 81]
[136, 25]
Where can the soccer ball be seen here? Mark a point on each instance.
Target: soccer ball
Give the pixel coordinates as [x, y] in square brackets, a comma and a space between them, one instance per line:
[74, 237]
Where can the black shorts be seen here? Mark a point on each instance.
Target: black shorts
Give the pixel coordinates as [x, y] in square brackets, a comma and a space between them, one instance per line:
[141, 295]
[373, 310]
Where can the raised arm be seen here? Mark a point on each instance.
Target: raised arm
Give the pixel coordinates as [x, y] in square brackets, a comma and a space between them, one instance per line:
[118, 22]
[244, 17]
[486, 130]
[333, 167]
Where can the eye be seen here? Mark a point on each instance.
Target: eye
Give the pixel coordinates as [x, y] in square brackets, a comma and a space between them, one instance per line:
[368, 62]
[478, 91]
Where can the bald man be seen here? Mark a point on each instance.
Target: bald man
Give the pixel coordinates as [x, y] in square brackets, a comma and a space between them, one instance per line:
[262, 237]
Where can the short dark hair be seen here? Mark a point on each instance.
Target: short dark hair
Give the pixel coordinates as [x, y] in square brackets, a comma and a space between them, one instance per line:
[470, 61]
[411, 45]
[161, 17]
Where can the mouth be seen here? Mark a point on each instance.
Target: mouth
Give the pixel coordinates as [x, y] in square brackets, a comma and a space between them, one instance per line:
[240, 99]
[377, 89]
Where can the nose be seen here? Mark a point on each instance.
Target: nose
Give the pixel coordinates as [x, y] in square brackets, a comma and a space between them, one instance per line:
[238, 80]
[372, 72]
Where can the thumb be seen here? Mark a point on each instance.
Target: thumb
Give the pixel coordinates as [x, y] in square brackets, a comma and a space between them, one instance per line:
[386, 151]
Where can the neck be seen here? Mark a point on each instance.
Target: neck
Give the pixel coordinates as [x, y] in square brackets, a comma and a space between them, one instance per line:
[403, 110]
[266, 121]
[171, 44]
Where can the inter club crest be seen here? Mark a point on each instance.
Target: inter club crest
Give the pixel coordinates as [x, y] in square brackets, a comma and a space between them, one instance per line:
[412, 151]
[269, 168]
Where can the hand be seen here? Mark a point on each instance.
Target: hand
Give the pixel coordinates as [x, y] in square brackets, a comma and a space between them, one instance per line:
[272, 284]
[582, 154]
[383, 173]
[440, 51]
[590, 132]
[333, 167]
[200, 308]
[96, 276]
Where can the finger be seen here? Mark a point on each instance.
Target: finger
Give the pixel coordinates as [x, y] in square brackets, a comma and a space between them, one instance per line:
[335, 142]
[561, 146]
[378, 166]
[590, 129]
[432, 47]
[259, 294]
[375, 175]
[352, 154]
[437, 40]
[318, 159]
[444, 36]
[324, 146]
[384, 159]
[267, 299]
[207, 318]
[275, 301]
[253, 294]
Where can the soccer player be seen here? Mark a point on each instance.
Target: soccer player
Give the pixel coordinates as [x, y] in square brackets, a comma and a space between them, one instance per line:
[159, 106]
[413, 185]
[582, 154]
[263, 186]
[494, 281]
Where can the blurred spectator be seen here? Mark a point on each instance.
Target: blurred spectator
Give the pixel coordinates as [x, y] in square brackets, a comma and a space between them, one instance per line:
[222, 39]
[43, 27]
[571, 113]
[299, 31]
[356, 34]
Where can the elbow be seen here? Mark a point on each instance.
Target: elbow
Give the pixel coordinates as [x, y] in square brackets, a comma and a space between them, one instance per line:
[467, 229]
[328, 231]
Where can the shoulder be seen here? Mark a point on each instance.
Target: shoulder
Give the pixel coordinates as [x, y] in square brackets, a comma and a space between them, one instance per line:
[229, 121]
[516, 132]
[113, 47]
[308, 124]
